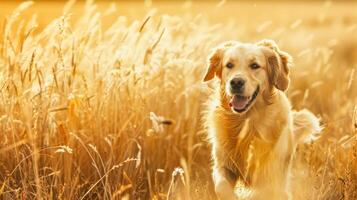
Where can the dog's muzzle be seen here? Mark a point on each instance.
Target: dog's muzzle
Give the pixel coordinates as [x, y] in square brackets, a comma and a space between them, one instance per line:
[240, 103]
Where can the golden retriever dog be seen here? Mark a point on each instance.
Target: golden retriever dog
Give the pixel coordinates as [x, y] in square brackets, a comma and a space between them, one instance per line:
[251, 126]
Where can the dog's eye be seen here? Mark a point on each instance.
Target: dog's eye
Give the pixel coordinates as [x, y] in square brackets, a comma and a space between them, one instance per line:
[254, 66]
[229, 65]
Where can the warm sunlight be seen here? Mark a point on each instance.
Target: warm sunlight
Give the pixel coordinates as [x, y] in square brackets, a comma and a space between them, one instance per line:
[106, 100]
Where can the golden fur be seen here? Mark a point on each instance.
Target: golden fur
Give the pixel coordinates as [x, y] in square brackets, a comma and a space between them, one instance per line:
[252, 150]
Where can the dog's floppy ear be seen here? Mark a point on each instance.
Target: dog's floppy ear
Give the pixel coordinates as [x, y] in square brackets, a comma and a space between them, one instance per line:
[214, 62]
[278, 64]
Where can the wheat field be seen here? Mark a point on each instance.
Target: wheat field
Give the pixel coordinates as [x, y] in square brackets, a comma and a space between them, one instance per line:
[104, 100]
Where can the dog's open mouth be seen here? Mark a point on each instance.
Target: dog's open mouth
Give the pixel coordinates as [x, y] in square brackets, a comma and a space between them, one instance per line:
[241, 103]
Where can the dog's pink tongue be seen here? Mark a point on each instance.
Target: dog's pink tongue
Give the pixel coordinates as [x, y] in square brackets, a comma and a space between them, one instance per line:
[238, 102]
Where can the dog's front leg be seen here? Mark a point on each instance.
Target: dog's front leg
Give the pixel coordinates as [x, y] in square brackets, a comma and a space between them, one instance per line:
[224, 185]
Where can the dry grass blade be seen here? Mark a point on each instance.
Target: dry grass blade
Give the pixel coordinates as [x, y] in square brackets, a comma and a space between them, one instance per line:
[106, 174]
[144, 23]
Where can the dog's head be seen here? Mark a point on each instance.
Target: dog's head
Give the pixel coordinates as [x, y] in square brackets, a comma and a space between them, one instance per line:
[247, 71]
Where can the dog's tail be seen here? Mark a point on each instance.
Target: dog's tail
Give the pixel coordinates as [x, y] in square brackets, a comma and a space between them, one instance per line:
[306, 126]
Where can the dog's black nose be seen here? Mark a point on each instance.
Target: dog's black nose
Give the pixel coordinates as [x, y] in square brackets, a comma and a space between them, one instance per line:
[237, 85]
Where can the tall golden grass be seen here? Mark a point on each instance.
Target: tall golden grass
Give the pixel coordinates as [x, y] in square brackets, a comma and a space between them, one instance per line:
[99, 106]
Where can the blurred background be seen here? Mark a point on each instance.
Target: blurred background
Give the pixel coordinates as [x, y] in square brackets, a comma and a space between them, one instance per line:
[104, 99]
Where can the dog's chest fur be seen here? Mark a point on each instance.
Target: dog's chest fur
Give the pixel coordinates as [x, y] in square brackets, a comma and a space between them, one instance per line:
[242, 144]
[241, 151]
